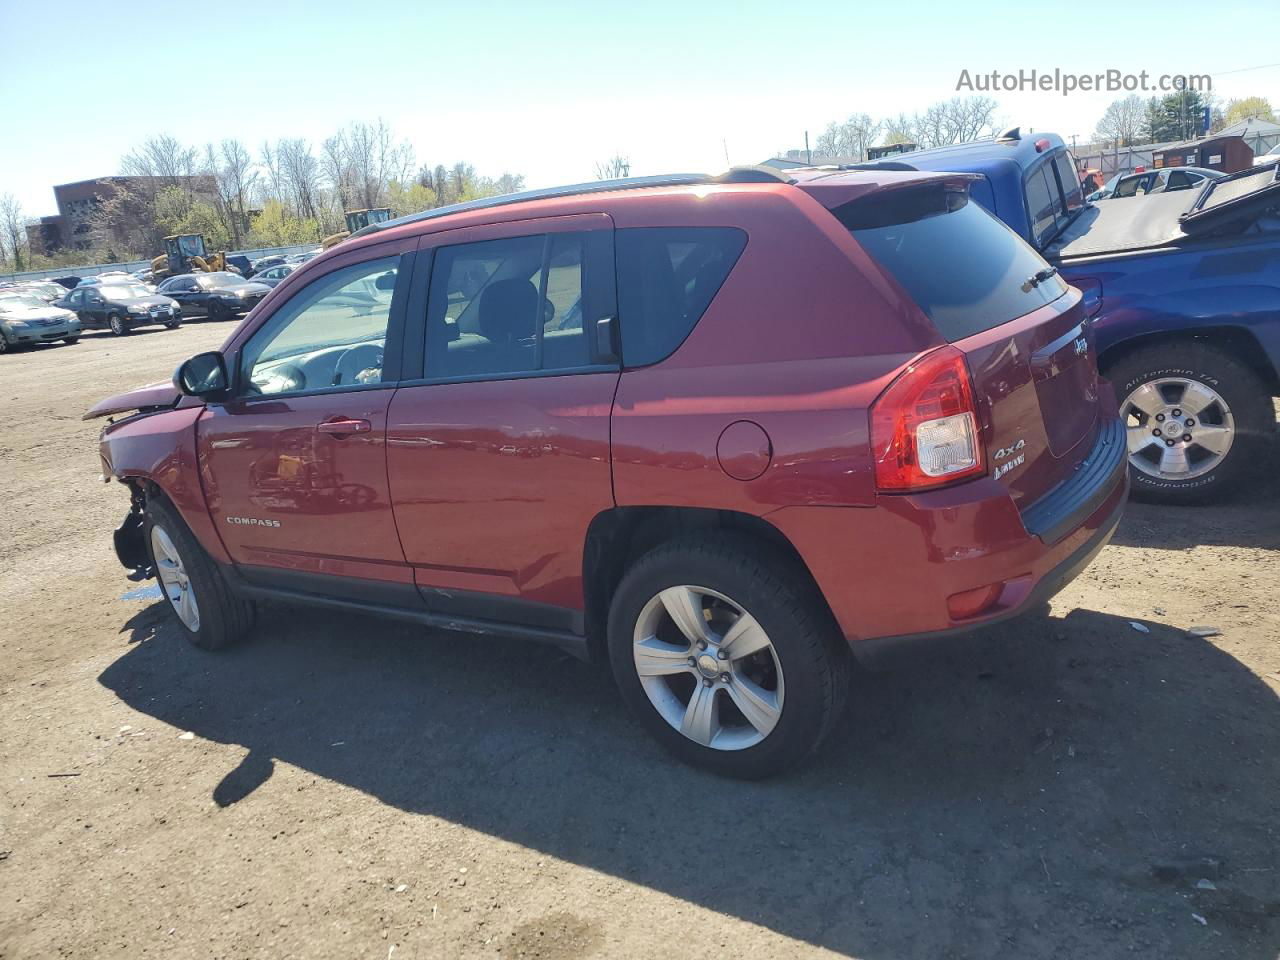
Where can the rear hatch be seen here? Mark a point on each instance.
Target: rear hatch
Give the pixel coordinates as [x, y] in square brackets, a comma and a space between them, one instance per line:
[1022, 329]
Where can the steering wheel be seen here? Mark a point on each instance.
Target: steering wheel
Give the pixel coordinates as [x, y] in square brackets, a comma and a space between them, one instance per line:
[355, 361]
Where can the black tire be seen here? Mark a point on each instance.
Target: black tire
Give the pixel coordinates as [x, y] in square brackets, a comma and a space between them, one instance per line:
[224, 617]
[1243, 392]
[172, 324]
[217, 311]
[4, 344]
[811, 652]
[71, 341]
[117, 325]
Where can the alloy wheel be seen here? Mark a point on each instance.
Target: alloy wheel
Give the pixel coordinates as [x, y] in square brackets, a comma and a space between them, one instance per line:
[117, 326]
[708, 667]
[174, 581]
[1177, 428]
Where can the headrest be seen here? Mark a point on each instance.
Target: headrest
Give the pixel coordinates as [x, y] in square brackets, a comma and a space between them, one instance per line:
[508, 310]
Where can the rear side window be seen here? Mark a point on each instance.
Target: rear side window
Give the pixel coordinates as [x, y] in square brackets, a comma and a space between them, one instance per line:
[1043, 201]
[519, 305]
[667, 277]
[965, 269]
[1069, 178]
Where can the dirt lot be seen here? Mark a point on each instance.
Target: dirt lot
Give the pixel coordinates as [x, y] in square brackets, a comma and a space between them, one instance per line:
[347, 788]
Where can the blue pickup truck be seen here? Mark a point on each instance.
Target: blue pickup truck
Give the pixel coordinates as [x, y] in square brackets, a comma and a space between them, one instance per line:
[1184, 294]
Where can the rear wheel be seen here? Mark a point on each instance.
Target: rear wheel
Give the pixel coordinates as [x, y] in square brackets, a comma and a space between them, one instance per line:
[117, 325]
[1195, 418]
[208, 613]
[727, 655]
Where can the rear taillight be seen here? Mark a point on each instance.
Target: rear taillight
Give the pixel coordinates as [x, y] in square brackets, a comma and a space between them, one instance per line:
[924, 427]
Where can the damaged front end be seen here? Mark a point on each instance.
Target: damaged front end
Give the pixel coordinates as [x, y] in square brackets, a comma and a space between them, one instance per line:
[131, 542]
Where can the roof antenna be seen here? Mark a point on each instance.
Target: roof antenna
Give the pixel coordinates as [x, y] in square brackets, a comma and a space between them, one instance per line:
[725, 144]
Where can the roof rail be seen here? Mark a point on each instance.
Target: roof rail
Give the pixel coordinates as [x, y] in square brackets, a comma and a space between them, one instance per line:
[733, 175]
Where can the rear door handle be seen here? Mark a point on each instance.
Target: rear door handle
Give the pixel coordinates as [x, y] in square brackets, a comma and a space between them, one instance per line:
[341, 426]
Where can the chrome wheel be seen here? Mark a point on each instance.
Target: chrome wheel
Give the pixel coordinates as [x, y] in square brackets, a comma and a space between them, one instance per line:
[708, 668]
[173, 579]
[1178, 429]
[116, 325]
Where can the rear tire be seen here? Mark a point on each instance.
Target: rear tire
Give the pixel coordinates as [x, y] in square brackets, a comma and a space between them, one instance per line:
[1238, 418]
[211, 617]
[794, 684]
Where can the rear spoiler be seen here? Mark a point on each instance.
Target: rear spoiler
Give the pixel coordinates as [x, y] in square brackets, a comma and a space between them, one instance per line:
[1240, 196]
[835, 189]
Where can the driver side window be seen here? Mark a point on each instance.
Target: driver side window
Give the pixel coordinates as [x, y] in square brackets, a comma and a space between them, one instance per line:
[329, 334]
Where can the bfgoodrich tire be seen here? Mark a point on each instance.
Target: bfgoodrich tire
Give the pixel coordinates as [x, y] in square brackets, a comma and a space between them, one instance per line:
[727, 655]
[207, 612]
[1196, 419]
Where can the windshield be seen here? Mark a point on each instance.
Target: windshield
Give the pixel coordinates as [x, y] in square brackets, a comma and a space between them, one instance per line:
[125, 291]
[219, 279]
[25, 300]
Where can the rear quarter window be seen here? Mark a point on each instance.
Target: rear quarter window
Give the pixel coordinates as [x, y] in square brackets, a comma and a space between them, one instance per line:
[667, 277]
[964, 268]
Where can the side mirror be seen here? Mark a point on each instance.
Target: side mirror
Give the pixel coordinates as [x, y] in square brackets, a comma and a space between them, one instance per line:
[386, 281]
[204, 375]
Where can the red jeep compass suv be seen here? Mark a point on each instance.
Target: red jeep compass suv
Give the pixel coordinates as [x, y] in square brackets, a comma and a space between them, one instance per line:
[717, 430]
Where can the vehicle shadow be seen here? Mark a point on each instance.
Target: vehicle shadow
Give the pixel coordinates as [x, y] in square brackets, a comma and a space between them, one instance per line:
[1043, 790]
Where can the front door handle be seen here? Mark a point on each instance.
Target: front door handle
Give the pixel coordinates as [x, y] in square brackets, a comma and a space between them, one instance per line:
[341, 426]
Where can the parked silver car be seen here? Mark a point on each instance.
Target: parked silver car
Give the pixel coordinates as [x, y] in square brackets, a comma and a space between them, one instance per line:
[26, 320]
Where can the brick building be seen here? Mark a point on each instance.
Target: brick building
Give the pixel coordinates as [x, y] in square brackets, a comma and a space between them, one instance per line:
[78, 204]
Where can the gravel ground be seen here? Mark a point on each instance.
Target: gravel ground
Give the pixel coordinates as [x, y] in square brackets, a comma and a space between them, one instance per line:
[1070, 786]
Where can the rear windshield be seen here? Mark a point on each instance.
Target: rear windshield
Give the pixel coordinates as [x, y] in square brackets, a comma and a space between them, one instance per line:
[965, 269]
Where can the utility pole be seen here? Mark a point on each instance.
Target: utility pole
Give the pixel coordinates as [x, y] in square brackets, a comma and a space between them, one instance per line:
[808, 155]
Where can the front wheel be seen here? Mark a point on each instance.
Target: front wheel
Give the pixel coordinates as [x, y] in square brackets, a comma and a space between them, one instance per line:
[172, 324]
[727, 655]
[208, 613]
[1195, 418]
[69, 341]
[217, 311]
[117, 325]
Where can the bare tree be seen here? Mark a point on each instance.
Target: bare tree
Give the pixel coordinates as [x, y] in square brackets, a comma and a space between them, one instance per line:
[230, 170]
[901, 129]
[273, 187]
[849, 139]
[13, 230]
[165, 159]
[616, 167]
[1123, 121]
[971, 118]
[374, 158]
[300, 176]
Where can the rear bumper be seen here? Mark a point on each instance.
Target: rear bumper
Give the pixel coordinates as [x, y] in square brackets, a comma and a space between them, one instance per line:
[888, 572]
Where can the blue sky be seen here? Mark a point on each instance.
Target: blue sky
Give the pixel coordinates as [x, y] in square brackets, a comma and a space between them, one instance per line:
[546, 89]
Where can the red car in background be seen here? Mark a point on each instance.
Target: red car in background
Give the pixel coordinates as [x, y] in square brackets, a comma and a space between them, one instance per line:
[719, 431]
